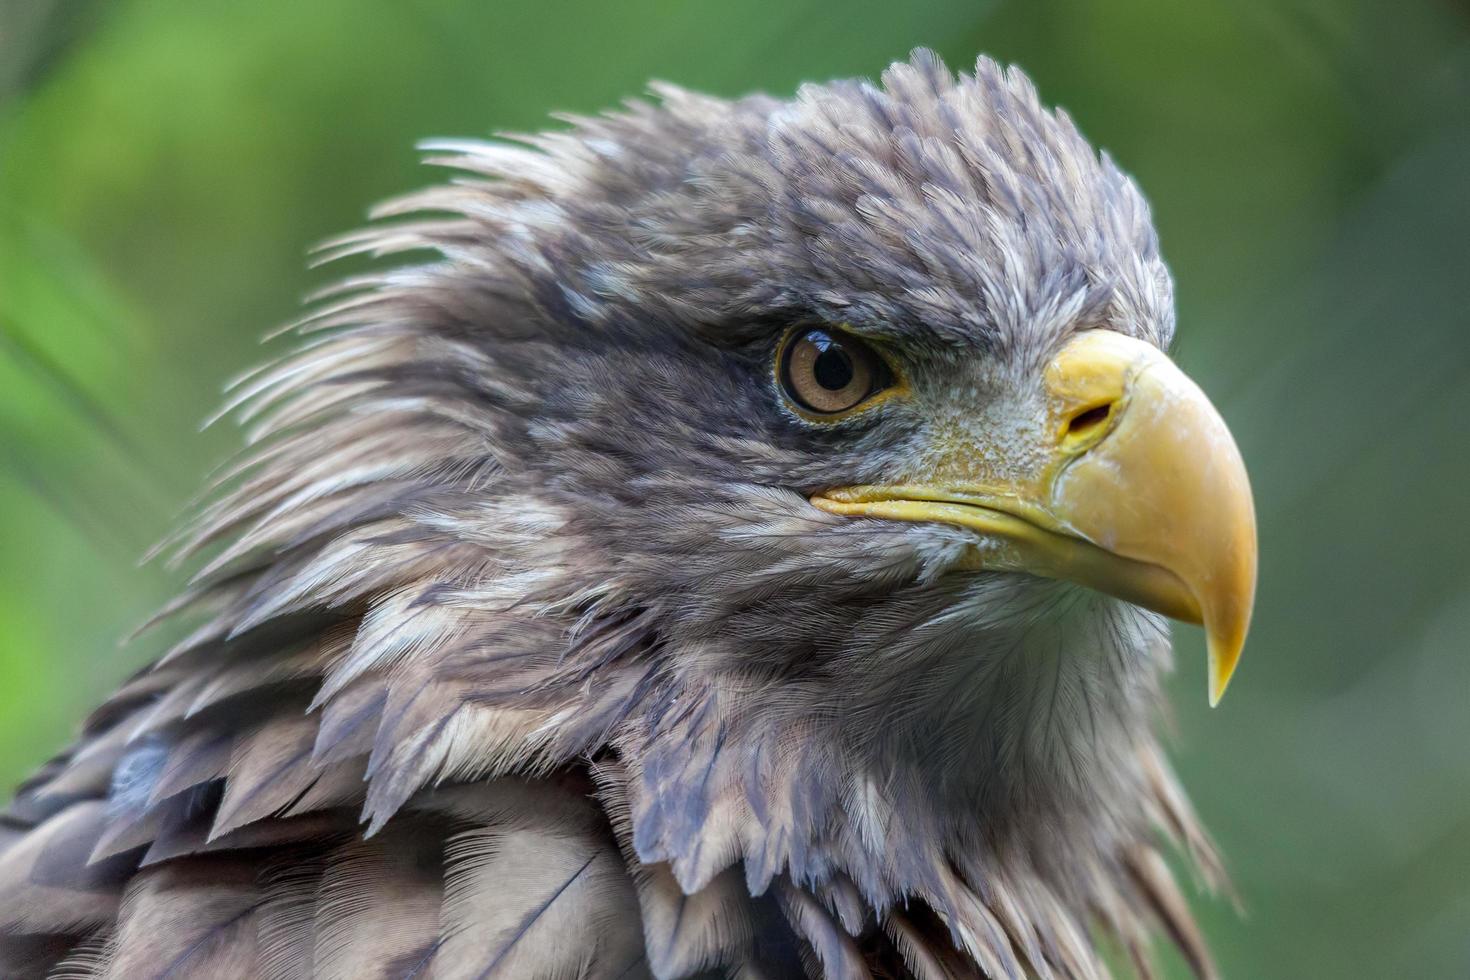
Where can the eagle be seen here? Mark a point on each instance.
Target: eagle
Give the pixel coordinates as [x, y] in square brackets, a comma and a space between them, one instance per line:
[715, 538]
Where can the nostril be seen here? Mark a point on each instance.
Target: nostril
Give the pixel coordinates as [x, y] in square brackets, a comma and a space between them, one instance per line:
[1085, 421]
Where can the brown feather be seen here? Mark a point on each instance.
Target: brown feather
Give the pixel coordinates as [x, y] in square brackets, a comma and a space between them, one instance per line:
[46, 884]
[269, 768]
[189, 918]
[377, 905]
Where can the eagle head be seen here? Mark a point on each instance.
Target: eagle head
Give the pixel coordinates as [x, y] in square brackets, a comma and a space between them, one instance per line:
[807, 478]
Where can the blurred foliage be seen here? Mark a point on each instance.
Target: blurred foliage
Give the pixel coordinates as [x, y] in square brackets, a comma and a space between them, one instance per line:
[164, 164]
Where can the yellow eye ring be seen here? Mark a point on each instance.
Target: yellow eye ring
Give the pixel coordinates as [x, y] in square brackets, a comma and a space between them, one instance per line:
[827, 373]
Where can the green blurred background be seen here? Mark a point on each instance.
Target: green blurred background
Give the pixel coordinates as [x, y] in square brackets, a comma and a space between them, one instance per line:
[164, 165]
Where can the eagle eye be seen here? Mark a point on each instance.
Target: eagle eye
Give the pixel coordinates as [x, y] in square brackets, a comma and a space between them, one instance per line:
[827, 372]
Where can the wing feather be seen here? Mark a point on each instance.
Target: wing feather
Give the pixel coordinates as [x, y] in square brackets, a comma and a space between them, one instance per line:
[46, 884]
[190, 918]
[538, 899]
[378, 903]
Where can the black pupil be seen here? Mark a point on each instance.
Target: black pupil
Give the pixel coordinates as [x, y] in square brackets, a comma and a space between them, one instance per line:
[833, 367]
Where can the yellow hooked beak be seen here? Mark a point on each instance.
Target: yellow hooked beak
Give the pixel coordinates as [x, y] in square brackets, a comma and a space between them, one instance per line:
[1140, 492]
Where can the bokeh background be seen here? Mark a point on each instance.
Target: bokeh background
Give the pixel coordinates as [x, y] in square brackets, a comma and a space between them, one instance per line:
[165, 164]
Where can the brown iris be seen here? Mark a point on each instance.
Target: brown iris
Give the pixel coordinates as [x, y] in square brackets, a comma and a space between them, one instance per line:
[826, 372]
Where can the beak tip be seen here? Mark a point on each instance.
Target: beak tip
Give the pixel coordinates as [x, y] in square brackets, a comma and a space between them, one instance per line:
[1222, 668]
